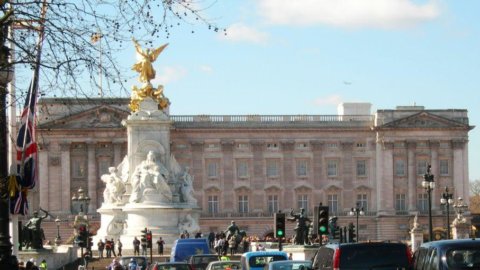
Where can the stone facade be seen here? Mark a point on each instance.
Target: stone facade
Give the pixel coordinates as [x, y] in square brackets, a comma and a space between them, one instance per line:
[246, 167]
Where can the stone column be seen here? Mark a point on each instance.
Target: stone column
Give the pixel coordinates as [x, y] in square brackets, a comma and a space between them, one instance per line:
[92, 177]
[117, 153]
[434, 145]
[289, 173]
[258, 180]
[317, 148]
[64, 185]
[197, 170]
[412, 176]
[43, 179]
[460, 162]
[347, 174]
[385, 177]
[229, 175]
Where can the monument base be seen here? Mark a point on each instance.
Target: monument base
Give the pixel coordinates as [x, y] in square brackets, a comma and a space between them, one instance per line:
[300, 252]
[55, 257]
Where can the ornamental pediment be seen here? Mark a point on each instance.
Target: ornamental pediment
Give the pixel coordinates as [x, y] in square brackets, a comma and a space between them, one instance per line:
[424, 120]
[102, 116]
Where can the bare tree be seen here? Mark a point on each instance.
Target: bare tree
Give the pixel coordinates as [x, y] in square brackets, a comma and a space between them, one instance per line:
[475, 196]
[70, 55]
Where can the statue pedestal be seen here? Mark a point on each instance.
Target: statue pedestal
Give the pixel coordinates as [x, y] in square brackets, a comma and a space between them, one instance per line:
[416, 238]
[461, 231]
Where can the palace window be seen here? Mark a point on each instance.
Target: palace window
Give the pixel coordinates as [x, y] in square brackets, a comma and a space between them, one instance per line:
[422, 202]
[362, 201]
[272, 203]
[444, 167]
[212, 169]
[400, 167]
[361, 168]
[272, 146]
[332, 203]
[243, 204]
[302, 201]
[421, 167]
[400, 202]
[332, 168]
[302, 168]
[213, 204]
[272, 168]
[242, 169]
[79, 168]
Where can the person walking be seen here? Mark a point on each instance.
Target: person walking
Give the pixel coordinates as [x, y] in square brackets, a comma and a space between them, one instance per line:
[119, 247]
[112, 247]
[136, 246]
[100, 247]
[160, 244]
[108, 248]
[143, 243]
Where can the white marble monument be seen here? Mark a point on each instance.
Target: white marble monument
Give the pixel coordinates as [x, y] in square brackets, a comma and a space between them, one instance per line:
[149, 189]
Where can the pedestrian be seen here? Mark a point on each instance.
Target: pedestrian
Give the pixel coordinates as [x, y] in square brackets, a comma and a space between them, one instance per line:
[31, 266]
[160, 244]
[211, 239]
[108, 248]
[112, 247]
[115, 265]
[136, 246]
[132, 265]
[290, 256]
[143, 243]
[119, 247]
[232, 245]
[100, 247]
[43, 265]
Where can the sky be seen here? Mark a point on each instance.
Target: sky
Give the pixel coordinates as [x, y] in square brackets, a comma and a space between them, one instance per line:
[308, 56]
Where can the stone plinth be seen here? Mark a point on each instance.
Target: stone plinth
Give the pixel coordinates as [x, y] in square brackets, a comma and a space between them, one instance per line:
[301, 252]
[56, 257]
[461, 231]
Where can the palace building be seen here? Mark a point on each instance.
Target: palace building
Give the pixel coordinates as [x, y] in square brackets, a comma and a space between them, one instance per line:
[247, 167]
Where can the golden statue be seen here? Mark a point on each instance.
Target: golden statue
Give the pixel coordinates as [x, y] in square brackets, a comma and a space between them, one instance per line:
[147, 73]
[145, 59]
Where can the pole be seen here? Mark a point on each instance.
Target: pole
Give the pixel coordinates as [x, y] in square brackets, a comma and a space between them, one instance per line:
[448, 220]
[280, 248]
[430, 226]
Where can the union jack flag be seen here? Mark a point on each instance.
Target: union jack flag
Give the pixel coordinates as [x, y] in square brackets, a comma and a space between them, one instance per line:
[26, 153]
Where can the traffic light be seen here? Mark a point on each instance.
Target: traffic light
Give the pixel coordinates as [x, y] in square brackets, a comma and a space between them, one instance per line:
[144, 235]
[82, 236]
[322, 220]
[336, 233]
[351, 233]
[279, 224]
[149, 239]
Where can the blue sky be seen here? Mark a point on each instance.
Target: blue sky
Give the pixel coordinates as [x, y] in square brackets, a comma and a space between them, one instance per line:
[307, 56]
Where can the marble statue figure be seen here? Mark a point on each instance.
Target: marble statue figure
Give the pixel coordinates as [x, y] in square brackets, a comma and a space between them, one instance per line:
[150, 177]
[187, 187]
[114, 188]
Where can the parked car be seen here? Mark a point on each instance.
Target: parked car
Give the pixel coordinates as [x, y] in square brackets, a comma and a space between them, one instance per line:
[224, 265]
[289, 265]
[201, 261]
[170, 266]
[448, 254]
[368, 255]
[141, 261]
[256, 260]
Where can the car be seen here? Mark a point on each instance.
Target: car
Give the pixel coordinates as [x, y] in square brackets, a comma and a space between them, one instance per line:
[448, 254]
[224, 265]
[256, 260]
[364, 255]
[170, 266]
[201, 261]
[141, 261]
[289, 265]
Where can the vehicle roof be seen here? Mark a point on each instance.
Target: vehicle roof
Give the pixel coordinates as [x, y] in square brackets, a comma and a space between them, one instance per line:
[170, 263]
[452, 243]
[190, 240]
[264, 253]
[290, 262]
[225, 262]
[366, 244]
[205, 255]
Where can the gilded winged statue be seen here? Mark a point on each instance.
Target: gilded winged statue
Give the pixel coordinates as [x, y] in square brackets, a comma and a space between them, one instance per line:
[145, 59]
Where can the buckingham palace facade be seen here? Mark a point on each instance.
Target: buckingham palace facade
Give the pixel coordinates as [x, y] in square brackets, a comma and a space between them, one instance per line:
[246, 167]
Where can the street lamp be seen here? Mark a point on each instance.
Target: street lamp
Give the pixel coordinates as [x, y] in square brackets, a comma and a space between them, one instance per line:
[428, 184]
[82, 199]
[58, 238]
[447, 201]
[357, 211]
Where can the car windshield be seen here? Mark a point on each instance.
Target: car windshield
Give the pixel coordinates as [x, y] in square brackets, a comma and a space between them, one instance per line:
[173, 267]
[225, 265]
[463, 258]
[292, 266]
[373, 257]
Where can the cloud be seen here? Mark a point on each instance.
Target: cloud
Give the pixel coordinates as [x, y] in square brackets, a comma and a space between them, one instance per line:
[332, 100]
[206, 69]
[385, 14]
[240, 32]
[170, 74]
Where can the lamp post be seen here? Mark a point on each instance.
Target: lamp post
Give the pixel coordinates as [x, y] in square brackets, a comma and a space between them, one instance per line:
[357, 211]
[58, 238]
[447, 201]
[428, 184]
[82, 199]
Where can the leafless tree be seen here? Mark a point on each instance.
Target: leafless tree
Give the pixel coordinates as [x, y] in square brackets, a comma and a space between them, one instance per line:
[475, 196]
